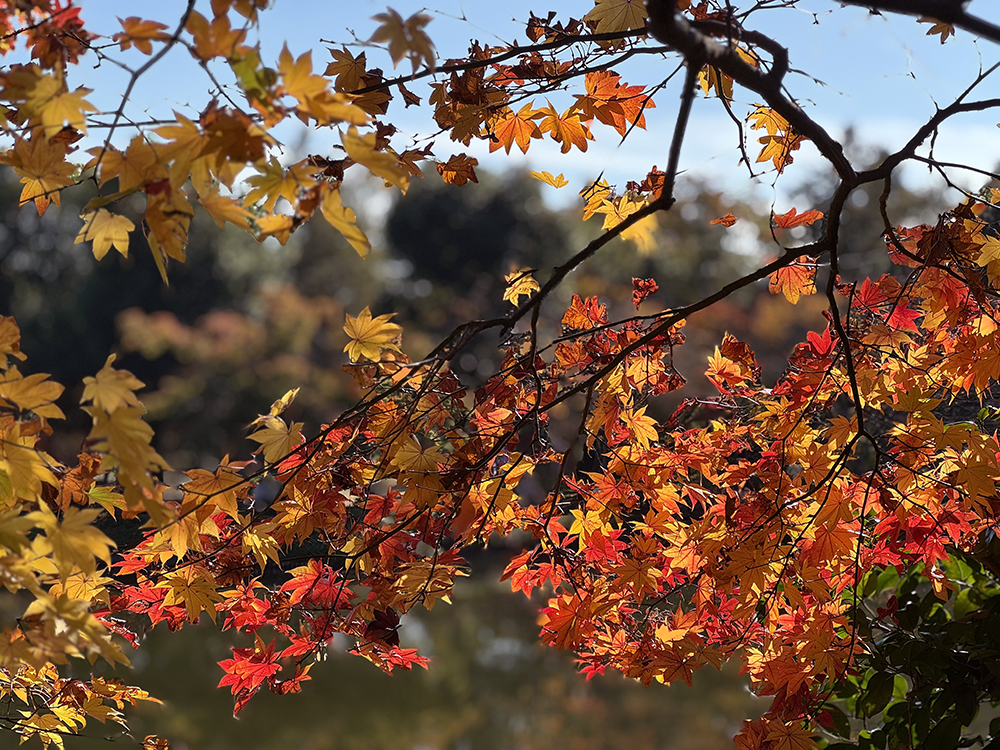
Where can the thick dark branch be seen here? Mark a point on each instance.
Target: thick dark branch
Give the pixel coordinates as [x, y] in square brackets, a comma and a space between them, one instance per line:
[949, 11]
[893, 160]
[669, 27]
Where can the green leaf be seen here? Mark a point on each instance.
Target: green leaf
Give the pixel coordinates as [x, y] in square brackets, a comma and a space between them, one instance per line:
[877, 694]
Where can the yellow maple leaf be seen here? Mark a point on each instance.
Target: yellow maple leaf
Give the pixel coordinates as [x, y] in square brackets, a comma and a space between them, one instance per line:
[10, 340]
[258, 541]
[111, 389]
[643, 234]
[26, 466]
[944, 30]
[297, 78]
[330, 107]
[277, 439]
[519, 283]
[406, 38]
[105, 230]
[643, 428]
[125, 437]
[84, 586]
[75, 543]
[217, 489]
[223, 209]
[133, 168]
[557, 182]
[274, 182]
[369, 336]
[54, 107]
[361, 148]
[344, 221]
[617, 15]
[279, 406]
[278, 226]
[192, 590]
[41, 164]
[35, 393]
[216, 39]
[183, 146]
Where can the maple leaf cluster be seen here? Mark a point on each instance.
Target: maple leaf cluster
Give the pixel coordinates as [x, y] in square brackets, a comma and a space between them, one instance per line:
[660, 544]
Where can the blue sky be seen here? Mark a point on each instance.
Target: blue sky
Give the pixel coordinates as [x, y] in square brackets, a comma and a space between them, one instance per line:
[881, 76]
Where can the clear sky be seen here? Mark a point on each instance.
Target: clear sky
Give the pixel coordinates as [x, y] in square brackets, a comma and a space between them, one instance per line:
[880, 76]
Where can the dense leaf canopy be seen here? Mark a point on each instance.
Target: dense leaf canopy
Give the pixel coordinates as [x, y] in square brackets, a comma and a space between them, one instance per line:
[833, 531]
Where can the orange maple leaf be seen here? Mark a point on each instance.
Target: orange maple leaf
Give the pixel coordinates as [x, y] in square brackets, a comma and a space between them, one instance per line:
[794, 219]
[566, 129]
[140, 33]
[794, 281]
[517, 128]
[458, 170]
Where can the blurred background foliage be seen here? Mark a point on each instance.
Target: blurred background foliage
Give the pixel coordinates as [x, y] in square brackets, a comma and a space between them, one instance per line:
[241, 323]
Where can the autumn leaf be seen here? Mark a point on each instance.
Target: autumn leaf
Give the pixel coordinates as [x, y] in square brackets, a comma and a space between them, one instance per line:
[215, 39]
[111, 389]
[361, 148]
[641, 427]
[614, 103]
[641, 289]
[344, 221]
[348, 69]
[546, 177]
[195, 592]
[793, 281]
[617, 15]
[34, 393]
[519, 283]
[41, 164]
[369, 336]
[405, 38]
[790, 736]
[74, 543]
[794, 219]
[55, 107]
[140, 33]
[277, 439]
[273, 182]
[567, 129]
[458, 170]
[941, 28]
[278, 226]
[105, 230]
[297, 78]
[517, 128]
[223, 209]
[727, 221]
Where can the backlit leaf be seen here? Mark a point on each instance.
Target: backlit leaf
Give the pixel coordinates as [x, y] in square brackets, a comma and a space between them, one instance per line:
[369, 336]
[105, 230]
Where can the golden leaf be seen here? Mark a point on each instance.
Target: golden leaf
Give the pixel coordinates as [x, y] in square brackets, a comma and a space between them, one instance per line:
[546, 177]
[519, 283]
[344, 221]
[369, 336]
[277, 439]
[111, 389]
[618, 15]
[361, 148]
[105, 230]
